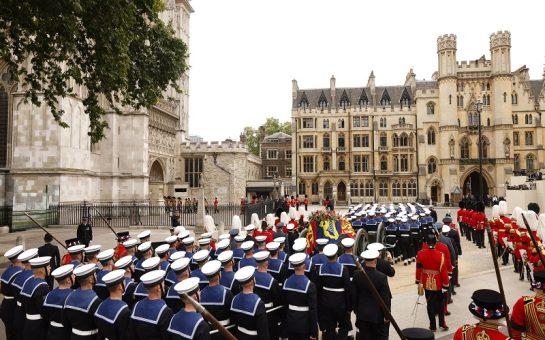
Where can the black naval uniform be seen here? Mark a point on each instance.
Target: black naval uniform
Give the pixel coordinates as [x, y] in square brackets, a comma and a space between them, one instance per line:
[7, 309]
[333, 287]
[173, 300]
[79, 311]
[149, 320]
[112, 319]
[128, 295]
[301, 315]
[19, 314]
[268, 289]
[249, 314]
[217, 300]
[100, 287]
[32, 297]
[188, 325]
[52, 311]
[278, 269]
[49, 249]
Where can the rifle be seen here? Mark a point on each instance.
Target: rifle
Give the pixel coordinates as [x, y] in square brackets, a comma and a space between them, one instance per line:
[533, 239]
[40, 226]
[209, 317]
[107, 223]
[498, 276]
[379, 300]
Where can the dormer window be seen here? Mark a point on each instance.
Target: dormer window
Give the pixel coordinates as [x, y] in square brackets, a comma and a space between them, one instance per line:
[344, 102]
[304, 102]
[322, 102]
[405, 100]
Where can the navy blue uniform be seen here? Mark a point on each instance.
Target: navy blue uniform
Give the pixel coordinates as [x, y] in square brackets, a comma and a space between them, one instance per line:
[188, 325]
[19, 314]
[128, 295]
[79, 311]
[278, 269]
[217, 300]
[247, 261]
[149, 320]
[52, 311]
[112, 319]
[7, 309]
[203, 280]
[32, 297]
[173, 300]
[309, 269]
[140, 293]
[348, 261]
[269, 291]
[248, 313]
[299, 295]
[100, 286]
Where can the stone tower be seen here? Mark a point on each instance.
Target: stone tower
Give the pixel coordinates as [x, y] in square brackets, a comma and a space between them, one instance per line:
[500, 54]
[446, 52]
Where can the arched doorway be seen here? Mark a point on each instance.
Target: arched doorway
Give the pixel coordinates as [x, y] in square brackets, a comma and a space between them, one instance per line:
[435, 191]
[471, 185]
[156, 181]
[341, 191]
[328, 190]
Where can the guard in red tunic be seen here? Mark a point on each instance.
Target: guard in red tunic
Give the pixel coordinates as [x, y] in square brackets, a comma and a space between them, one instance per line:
[528, 315]
[480, 222]
[432, 272]
[460, 216]
[487, 306]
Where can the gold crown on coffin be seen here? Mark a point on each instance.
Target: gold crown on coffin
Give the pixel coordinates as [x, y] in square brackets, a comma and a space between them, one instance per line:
[482, 336]
[541, 306]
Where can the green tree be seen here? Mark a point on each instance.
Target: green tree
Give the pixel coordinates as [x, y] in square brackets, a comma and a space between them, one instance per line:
[254, 136]
[119, 50]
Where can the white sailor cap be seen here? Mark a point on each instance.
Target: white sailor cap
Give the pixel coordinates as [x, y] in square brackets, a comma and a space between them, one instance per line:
[95, 248]
[262, 256]
[105, 255]
[123, 262]
[348, 242]
[188, 241]
[222, 244]
[188, 286]
[204, 241]
[280, 239]
[130, 243]
[290, 226]
[225, 256]
[39, 262]
[245, 274]
[371, 213]
[404, 219]
[178, 230]
[375, 246]
[180, 264]
[176, 255]
[76, 249]
[391, 220]
[299, 245]
[114, 277]
[322, 241]
[85, 270]
[152, 278]
[414, 217]
[144, 234]
[63, 271]
[445, 229]
[249, 227]
[370, 254]
[240, 238]
[28, 254]
[183, 234]
[151, 263]
[171, 239]
[272, 246]
[206, 235]
[163, 248]
[248, 245]
[297, 259]
[144, 247]
[201, 255]
[422, 215]
[382, 211]
[225, 236]
[211, 268]
[260, 238]
[14, 252]
[331, 250]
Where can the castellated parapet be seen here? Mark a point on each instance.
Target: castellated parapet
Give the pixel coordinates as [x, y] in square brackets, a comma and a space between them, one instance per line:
[500, 39]
[446, 41]
[225, 146]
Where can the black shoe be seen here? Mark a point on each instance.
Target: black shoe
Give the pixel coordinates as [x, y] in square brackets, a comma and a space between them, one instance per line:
[449, 301]
[453, 293]
[447, 313]
[444, 328]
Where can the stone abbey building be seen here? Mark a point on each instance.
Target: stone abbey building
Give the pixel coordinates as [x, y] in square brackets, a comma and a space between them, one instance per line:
[420, 140]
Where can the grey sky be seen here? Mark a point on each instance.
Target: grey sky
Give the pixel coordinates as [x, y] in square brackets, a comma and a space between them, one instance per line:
[244, 53]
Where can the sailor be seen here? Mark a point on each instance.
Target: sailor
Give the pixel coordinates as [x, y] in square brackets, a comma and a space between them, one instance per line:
[32, 296]
[488, 308]
[17, 285]
[181, 237]
[151, 316]
[415, 235]
[215, 297]
[80, 306]
[148, 265]
[187, 323]
[76, 253]
[204, 244]
[163, 252]
[528, 314]
[91, 253]
[299, 246]
[146, 251]
[106, 259]
[189, 244]
[260, 243]
[227, 278]
[249, 233]
[53, 304]
[383, 266]
[144, 236]
[247, 309]
[200, 258]
[319, 258]
[299, 295]
[276, 267]
[222, 246]
[233, 232]
[7, 308]
[268, 289]
[238, 252]
[406, 242]
[170, 278]
[282, 255]
[180, 268]
[171, 241]
[248, 260]
[392, 239]
[347, 258]
[113, 315]
[125, 263]
[130, 246]
[333, 289]
[279, 233]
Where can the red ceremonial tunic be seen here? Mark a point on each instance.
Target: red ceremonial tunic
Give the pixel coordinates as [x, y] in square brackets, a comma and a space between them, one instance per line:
[528, 316]
[443, 248]
[431, 270]
[482, 330]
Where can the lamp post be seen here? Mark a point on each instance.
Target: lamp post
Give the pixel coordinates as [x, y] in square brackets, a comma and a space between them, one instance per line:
[479, 109]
